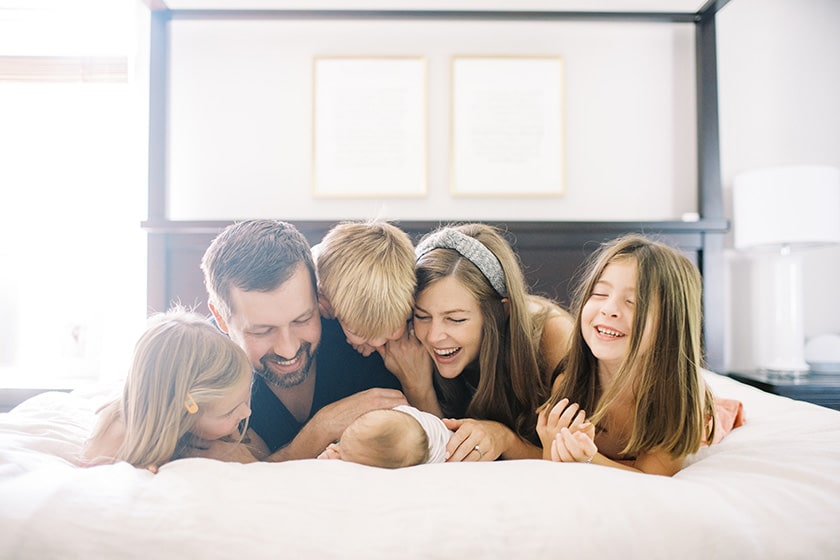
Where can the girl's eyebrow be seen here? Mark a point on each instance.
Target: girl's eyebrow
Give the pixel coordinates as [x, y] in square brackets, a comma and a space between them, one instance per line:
[447, 312]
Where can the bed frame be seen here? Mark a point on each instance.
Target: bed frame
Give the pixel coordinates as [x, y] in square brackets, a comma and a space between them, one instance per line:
[551, 252]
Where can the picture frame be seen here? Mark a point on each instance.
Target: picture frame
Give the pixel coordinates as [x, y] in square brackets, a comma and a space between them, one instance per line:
[507, 126]
[369, 126]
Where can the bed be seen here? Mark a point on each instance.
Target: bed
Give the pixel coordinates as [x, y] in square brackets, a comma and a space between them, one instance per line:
[770, 489]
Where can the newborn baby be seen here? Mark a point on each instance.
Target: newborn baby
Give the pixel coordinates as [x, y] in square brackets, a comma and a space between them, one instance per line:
[402, 436]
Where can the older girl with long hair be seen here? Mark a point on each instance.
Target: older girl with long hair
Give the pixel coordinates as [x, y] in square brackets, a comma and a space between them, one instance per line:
[634, 365]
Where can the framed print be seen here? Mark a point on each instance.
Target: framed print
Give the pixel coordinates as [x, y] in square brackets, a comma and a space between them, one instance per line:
[369, 127]
[507, 126]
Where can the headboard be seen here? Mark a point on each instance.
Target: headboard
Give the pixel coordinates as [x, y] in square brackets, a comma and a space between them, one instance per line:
[551, 254]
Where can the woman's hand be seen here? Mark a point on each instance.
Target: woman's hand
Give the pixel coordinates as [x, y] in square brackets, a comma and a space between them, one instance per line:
[477, 440]
[562, 415]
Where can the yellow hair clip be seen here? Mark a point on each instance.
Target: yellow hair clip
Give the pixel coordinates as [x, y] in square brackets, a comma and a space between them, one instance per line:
[190, 404]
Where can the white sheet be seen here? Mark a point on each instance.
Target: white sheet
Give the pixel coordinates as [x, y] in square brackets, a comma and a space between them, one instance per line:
[771, 489]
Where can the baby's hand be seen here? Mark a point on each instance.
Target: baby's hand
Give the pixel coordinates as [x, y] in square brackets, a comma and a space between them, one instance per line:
[570, 447]
[331, 452]
[562, 415]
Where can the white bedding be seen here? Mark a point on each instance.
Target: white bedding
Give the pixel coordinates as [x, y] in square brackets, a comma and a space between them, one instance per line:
[771, 489]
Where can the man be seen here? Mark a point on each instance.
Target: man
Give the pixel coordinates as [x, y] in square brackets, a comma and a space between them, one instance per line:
[309, 383]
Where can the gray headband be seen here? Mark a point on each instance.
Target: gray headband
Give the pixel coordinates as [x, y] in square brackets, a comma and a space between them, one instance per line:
[471, 249]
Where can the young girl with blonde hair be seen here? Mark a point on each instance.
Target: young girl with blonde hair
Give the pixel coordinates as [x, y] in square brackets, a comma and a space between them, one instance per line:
[188, 385]
[634, 364]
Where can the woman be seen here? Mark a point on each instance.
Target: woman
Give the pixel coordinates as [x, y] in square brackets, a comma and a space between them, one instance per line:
[493, 344]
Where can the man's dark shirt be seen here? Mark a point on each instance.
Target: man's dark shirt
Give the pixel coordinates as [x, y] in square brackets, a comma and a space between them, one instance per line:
[340, 372]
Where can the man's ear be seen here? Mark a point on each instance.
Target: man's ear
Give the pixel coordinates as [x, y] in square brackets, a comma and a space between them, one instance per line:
[218, 317]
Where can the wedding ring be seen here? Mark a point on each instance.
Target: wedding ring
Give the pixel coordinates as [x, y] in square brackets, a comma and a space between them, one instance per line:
[480, 454]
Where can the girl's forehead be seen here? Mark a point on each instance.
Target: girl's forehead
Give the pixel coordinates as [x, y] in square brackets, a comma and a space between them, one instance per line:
[621, 265]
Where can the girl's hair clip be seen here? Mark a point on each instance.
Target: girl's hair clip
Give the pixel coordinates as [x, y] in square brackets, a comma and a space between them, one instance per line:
[190, 404]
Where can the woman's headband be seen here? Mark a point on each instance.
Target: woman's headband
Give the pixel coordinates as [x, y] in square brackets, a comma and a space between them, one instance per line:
[471, 249]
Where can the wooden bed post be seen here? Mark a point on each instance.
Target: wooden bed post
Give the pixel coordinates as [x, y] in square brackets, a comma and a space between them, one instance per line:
[709, 185]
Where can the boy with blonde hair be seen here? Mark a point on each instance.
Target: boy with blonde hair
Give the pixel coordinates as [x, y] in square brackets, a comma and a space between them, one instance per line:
[366, 281]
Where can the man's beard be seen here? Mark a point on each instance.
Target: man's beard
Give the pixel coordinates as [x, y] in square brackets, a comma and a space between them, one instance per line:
[290, 379]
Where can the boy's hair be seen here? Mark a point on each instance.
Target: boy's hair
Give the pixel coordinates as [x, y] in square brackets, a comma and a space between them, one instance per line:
[387, 438]
[510, 386]
[181, 358]
[366, 271]
[254, 255]
[672, 403]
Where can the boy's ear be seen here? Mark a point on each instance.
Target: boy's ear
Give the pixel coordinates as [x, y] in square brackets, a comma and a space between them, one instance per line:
[218, 317]
[325, 306]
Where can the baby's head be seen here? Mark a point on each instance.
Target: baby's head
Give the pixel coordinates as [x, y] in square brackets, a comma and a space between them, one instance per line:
[384, 438]
[366, 273]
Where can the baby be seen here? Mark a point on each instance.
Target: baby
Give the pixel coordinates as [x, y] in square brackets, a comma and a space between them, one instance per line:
[402, 436]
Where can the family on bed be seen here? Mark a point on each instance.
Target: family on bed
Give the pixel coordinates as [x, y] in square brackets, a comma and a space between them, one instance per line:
[367, 349]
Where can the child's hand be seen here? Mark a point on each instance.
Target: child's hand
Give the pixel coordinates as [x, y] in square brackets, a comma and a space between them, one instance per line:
[562, 415]
[412, 365]
[570, 447]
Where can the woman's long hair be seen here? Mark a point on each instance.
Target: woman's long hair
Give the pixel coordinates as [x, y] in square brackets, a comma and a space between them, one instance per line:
[510, 383]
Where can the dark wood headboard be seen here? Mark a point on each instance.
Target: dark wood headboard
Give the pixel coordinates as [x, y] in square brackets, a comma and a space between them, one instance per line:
[551, 254]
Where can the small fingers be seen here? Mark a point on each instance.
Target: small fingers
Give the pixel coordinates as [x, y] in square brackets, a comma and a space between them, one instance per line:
[569, 415]
[579, 419]
[557, 410]
[576, 446]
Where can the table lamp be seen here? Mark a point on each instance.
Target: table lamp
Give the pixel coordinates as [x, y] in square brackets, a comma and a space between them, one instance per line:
[780, 211]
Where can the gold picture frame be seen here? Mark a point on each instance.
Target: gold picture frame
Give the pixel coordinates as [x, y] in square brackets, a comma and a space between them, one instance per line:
[507, 126]
[369, 126]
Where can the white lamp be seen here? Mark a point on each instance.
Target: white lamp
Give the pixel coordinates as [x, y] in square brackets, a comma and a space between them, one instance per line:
[784, 209]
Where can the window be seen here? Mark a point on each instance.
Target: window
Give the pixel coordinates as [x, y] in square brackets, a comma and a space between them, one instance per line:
[73, 176]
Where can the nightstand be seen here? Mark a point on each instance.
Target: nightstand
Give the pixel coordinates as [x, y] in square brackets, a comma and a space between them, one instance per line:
[821, 389]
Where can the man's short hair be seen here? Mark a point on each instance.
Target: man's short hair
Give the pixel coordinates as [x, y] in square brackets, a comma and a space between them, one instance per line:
[253, 256]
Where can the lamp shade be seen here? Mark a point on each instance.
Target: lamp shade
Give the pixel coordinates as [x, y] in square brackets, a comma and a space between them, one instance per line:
[793, 206]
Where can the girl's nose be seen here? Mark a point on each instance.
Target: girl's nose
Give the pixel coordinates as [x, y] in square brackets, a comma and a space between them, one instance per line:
[609, 308]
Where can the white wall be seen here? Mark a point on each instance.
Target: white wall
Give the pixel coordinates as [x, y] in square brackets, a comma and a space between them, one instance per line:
[241, 117]
[779, 88]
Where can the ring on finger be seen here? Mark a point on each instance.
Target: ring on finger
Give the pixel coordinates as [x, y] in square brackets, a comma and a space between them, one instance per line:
[478, 448]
